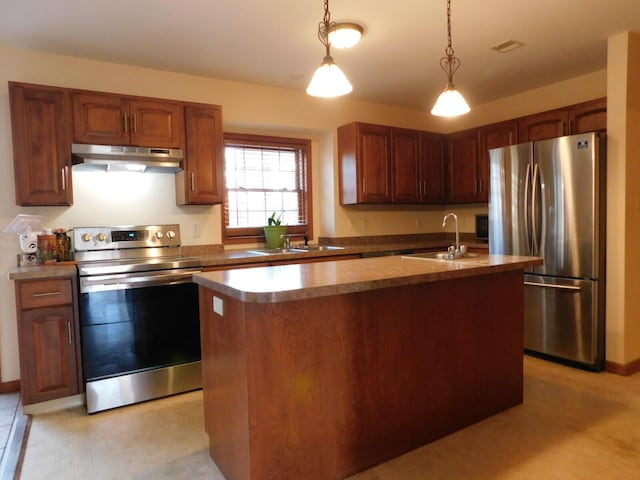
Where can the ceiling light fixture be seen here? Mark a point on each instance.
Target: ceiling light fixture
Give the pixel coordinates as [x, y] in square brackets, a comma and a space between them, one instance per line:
[450, 103]
[344, 35]
[328, 80]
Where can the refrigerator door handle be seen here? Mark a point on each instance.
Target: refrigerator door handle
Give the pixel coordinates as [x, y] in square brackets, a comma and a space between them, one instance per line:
[527, 214]
[549, 285]
[534, 208]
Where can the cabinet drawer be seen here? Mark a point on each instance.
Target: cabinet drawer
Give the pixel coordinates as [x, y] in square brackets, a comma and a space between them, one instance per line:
[45, 293]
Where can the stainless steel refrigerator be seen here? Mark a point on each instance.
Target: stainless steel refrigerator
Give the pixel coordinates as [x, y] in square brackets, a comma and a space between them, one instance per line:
[547, 199]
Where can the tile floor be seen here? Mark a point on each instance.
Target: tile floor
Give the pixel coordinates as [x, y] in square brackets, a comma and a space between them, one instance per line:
[573, 425]
[8, 407]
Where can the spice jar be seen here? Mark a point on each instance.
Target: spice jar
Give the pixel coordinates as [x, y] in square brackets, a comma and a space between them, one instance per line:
[63, 250]
[47, 247]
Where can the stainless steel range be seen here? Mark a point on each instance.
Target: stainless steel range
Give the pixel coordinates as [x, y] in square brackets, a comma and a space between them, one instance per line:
[139, 315]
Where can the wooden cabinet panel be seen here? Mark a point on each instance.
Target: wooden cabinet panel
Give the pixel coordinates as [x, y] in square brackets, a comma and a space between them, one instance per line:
[201, 181]
[107, 119]
[48, 339]
[496, 135]
[589, 116]
[50, 360]
[542, 126]
[432, 168]
[405, 166]
[463, 167]
[100, 119]
[156, 123]
[374, 163]
[365, 165]
[40, 118]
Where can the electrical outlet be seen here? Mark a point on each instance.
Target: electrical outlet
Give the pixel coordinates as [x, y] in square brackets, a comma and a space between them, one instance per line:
[196, 230]
[218, 306]
[365, 224]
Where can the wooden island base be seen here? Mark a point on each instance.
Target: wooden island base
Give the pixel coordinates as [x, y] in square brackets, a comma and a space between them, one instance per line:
[322, 388]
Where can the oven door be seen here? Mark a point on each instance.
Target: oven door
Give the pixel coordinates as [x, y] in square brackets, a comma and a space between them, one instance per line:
[136, 322]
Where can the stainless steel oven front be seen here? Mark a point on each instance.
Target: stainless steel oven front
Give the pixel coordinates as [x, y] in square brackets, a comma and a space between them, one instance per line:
[139, 318]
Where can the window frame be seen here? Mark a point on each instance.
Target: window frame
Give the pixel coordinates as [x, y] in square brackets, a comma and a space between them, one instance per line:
[233, 235]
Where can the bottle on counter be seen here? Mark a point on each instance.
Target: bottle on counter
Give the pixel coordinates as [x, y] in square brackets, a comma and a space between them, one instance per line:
[47, 247]
[63, 245]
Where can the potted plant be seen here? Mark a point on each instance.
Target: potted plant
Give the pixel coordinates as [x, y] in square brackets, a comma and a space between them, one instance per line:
[274, 231]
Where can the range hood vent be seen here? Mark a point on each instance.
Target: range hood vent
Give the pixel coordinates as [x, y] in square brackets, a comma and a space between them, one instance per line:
[136, 159]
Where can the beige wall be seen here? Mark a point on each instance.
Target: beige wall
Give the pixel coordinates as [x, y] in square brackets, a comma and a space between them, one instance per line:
[623, 202]
[100, 199]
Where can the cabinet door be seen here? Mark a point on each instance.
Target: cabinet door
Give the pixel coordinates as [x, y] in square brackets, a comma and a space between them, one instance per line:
[373, 154]
[589, 116]
[405, 166]
[496, 135]
[47, 351]
[201, 181]
[41, 144]
[156, 123]
[463, 167]
[100, 119]
[432, 170]
[542, 126]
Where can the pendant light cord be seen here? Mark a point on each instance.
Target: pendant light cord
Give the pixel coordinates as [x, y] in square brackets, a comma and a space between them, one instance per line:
[449, 63]
[323, 28]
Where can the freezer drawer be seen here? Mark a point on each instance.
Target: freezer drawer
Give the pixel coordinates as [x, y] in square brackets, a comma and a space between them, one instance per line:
[561, 319]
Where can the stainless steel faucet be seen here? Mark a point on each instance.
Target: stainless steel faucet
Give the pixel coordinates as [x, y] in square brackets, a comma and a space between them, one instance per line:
[457, 252]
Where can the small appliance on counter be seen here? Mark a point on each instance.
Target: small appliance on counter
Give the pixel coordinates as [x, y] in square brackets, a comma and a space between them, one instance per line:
[27, 227]
[482, 227]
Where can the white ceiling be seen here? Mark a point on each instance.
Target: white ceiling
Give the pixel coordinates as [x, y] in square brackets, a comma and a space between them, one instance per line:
[274, 42]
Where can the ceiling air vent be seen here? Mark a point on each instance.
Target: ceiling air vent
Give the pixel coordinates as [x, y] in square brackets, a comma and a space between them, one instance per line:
[507, 46]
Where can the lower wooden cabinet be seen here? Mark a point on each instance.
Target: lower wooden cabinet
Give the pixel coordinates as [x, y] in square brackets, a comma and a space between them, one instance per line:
[48, 339]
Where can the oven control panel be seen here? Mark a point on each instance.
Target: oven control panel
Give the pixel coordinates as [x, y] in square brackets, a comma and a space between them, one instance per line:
[116, 238]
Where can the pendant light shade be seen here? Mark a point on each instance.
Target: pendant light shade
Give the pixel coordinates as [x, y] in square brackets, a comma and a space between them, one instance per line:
[450, 103]
[328, 80]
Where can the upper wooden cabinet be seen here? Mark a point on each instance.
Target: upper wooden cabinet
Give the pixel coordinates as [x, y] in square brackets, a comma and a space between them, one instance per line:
[584, 117]
[108, 119]
[380, 164]
[432, 167]
[201, 180]
[496, 135]
[589, 116]
[463, 167]
[365, 163]
[40, 119]
[405, 166]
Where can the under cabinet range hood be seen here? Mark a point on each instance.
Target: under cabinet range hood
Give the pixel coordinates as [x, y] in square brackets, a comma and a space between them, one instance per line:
[123, 158]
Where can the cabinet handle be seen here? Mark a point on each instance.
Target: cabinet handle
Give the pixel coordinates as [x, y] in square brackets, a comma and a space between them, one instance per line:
[64, 178]
[193, 182]
[135, 123]
[480, 185]
[47, 294]
[69, 337]
[126, 122]
[364, 185]
[424, 190]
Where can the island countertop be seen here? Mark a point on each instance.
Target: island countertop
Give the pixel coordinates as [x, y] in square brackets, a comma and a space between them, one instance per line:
[301, 281]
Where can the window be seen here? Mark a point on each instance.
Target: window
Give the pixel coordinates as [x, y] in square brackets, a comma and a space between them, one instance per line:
[264, 175]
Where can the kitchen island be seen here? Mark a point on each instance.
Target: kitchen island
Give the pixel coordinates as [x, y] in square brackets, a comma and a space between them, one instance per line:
[321, 370]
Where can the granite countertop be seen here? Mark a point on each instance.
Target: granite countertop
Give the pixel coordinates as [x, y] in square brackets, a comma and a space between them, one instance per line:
[217, 256]
[299, 281]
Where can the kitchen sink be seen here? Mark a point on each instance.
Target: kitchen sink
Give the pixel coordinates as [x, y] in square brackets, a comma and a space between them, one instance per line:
[296, 249]
[275, 251]
[316, 248]
[440, 256]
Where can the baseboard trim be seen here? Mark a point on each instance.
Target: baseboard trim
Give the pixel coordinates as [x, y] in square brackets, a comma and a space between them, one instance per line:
[8, 387]
[624, 369]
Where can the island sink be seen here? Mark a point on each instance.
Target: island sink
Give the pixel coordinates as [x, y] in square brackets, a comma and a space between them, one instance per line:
[441, 256]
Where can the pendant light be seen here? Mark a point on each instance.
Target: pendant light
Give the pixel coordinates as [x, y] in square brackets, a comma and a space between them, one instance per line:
[450, 103]
[328, 80]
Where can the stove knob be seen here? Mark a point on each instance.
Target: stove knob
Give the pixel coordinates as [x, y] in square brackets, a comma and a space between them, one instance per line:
[86, 237]
[102, 237]
[171, 234]
[158, 234]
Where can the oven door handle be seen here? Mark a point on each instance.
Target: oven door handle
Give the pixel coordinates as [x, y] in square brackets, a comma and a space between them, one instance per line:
[103, 283]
